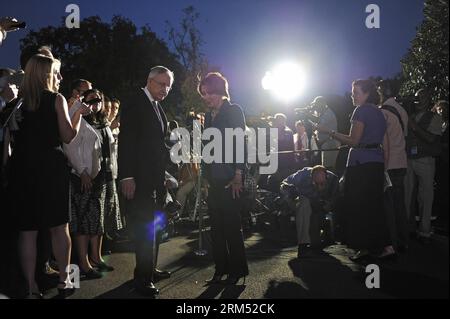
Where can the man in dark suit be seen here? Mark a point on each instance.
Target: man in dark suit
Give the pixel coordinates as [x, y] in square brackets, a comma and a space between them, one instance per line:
[142, 160]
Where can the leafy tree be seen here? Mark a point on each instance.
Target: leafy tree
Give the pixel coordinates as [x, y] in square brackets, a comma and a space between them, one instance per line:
[114, 56]
[187, 41]
[426, 64]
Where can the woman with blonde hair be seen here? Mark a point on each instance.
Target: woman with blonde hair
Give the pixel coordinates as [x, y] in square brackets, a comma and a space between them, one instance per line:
[39, 176]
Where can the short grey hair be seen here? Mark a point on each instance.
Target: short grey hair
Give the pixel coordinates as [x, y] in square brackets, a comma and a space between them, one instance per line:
[280, 115]
[159, 69]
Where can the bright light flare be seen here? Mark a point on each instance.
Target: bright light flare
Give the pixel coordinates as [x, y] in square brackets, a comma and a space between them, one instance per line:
[286, 81]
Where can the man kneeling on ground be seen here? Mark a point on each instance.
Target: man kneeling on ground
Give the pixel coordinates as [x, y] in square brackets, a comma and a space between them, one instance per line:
[312, 192]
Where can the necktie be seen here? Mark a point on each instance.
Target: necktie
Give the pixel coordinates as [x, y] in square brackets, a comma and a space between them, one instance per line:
[158, 114]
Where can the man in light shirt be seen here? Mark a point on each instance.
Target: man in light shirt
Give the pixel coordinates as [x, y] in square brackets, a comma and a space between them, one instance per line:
[397, 130]
[326, 118]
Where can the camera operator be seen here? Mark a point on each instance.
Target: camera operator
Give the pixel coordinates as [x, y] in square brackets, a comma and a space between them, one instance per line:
[327, 118]
[286, 158]
[317, 190]
[423, 145]
[8, 93]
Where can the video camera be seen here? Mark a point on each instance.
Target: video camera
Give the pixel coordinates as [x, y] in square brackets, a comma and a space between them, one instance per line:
[308, 113]
[408, 103]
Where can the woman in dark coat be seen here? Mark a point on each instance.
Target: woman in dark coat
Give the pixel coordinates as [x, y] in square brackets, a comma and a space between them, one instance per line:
[225, 181]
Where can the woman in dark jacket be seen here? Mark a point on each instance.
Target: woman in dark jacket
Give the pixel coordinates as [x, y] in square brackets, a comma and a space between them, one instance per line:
[225, 181]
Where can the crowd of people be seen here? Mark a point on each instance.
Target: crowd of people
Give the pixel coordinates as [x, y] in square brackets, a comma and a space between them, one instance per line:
[391, 162]
[72, 168]
[59, 169]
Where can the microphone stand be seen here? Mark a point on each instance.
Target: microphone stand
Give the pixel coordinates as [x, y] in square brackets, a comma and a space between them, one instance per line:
[200, 251]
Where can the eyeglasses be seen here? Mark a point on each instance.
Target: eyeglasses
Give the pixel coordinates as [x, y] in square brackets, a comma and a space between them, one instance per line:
[93, 101]
[163, 85]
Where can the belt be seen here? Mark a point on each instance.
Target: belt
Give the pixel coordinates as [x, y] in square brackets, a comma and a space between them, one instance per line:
[369, 146]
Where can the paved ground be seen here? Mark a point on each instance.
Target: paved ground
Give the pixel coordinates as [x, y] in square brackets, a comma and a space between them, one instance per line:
[275, 272]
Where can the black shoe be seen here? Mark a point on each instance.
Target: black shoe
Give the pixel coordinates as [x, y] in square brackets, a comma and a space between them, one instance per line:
[306, 251]
[216, 279]
[161, 274]
[102, 266]
[91, 274]
[148, 290]
[65, 292]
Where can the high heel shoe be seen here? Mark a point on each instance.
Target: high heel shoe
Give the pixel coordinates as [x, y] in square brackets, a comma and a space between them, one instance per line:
[91, 274]
[102, 266]
[67, 291]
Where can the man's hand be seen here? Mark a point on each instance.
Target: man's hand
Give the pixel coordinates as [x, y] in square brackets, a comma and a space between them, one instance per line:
[10, 92]
[115, 124]
[81, 107]
[128, 187]
[236, 186]
[321, 128]
[86, 182]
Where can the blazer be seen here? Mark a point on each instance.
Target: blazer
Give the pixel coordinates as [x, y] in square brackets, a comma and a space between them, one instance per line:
[229, 116]
[142, 152]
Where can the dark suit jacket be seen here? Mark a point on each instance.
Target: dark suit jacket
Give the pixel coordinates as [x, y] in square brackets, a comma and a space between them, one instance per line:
[229, 116]
[142, 152]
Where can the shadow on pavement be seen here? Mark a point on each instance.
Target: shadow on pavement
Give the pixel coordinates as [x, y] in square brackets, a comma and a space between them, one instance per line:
[124, 291]
[321, 276]
[285, 290]
[211, 292]
[232, 292]
[405, 284]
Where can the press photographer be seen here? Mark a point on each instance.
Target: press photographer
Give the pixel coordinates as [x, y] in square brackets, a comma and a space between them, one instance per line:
[319, 112]
[311, 192]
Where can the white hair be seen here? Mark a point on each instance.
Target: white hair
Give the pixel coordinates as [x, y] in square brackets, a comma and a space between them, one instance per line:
[280, 115]
[156, 70]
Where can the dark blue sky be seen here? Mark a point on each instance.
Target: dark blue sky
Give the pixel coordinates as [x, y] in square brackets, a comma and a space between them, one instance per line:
[246, 38]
